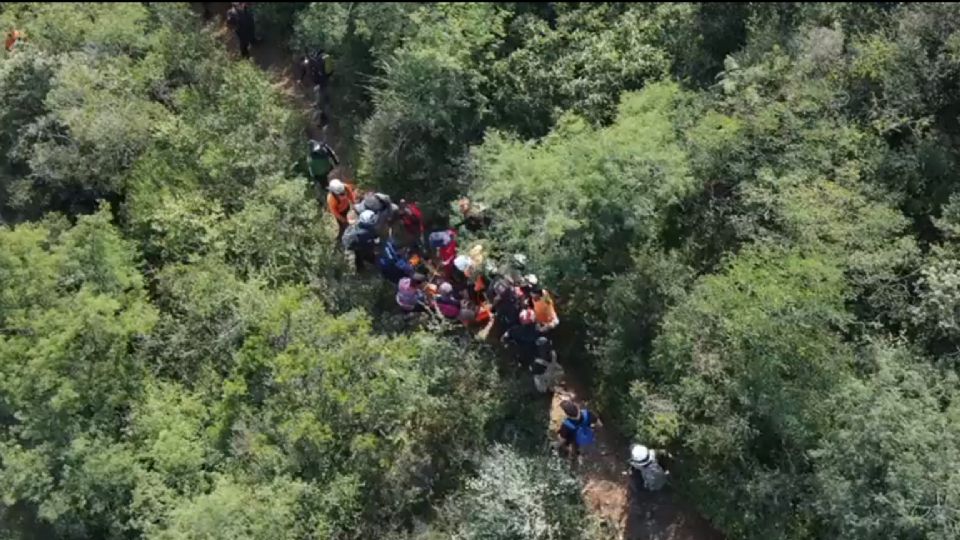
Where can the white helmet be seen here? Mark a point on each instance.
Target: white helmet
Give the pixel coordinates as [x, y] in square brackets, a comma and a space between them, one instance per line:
[462, 262]
[368, 217]
[531, 279]
[640, 456]
[446, 288]
[336, 187]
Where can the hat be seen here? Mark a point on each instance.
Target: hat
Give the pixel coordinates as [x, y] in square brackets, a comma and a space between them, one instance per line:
[336, 187]
[531, 279]
[640, 455]
[368, 217]
[527, 316]
[446, 288]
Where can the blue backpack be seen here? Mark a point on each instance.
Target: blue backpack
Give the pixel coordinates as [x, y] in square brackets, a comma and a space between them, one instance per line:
[582, 429]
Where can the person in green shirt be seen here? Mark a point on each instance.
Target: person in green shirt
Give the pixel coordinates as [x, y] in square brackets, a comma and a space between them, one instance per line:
[320, 161]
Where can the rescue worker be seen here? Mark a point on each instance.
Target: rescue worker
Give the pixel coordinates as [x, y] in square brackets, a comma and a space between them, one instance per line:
[544, 307]
[383, 210]
[576, 430]
[645, 472]
[545, 368]
[14, 37]
[445, 244]
[340, 198]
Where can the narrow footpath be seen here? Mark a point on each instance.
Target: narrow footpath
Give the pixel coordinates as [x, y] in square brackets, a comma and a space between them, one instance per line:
[653, 516]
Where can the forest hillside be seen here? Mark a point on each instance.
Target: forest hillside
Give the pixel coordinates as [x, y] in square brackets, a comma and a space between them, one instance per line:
[748, 215]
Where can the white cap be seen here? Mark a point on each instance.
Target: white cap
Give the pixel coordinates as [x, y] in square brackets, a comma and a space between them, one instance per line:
[336, 187]
[531, 279]
[462, 262]
[368, 217]
[446, 288]
[640, 455]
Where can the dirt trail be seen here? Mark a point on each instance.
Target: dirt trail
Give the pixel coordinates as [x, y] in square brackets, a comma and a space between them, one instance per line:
[653, 516]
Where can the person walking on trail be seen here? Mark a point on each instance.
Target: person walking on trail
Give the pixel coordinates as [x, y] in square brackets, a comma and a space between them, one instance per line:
[340, 199]
[320, 161]
[240, 20]
[576, 430]
[645, 472]
[319, 66]
[383, 210]
[545, 368]
[361, 238]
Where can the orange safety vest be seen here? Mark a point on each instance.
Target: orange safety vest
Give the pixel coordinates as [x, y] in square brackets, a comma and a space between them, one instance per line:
[340, 204]
[544, 310]
[13, 37]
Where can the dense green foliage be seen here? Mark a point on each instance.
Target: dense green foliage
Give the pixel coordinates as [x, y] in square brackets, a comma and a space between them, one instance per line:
[749, 214]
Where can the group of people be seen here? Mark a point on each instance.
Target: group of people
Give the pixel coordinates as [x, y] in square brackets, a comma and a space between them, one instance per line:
[433, 274]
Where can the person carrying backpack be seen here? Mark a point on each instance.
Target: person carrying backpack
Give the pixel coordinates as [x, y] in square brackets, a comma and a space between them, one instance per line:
[340, 198]
[576, 430]
[320, 67]
[447, 302]
[361, 239]
[409, 297]
[320, 161]
[411, 219]
[646, 473]
[393, 266]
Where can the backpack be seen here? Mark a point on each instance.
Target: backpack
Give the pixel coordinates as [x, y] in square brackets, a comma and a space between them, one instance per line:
[583, 431]
[326, 63]
[374, 202]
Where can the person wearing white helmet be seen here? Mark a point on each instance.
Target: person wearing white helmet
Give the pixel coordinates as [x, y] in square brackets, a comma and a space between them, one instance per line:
[367, 218]
[646, 473]
[321, 159]
[340, 198]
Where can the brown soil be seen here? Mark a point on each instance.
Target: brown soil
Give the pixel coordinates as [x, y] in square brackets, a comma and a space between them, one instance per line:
[653, 516]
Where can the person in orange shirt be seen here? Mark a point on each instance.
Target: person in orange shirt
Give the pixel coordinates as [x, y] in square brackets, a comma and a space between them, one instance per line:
[543, 305]
[13, 37]
[340, 199]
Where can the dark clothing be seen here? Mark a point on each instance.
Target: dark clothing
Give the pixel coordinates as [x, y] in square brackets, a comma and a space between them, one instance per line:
[241, 21]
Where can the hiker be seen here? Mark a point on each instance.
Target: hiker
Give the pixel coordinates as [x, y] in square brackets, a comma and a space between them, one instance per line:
[240, 20]
[576, 430]
[361, 238]
[447, 303]
[545, 368]
[382, 207]
[645, 472]
[320, 67]
[523, 335]
[14, 37]
[393, 265]
[474, 216]
[504, 303]
[320, 161]
[409, 296]
[411, 219]
[544, 307]
[339, 200]
[445, 244]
